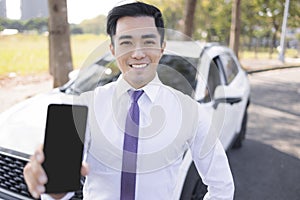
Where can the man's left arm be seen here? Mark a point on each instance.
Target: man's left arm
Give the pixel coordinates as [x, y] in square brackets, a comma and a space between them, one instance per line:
[216, 174]
[211, 161]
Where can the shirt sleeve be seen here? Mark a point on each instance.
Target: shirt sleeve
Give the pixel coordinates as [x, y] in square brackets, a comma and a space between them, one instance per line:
[211, 161]
[86, 99]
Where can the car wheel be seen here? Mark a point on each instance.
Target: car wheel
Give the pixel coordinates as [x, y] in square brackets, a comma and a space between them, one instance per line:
[193, 188]
[241, 135]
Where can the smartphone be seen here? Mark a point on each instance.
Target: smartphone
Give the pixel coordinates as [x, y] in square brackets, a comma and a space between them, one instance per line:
[63, 146]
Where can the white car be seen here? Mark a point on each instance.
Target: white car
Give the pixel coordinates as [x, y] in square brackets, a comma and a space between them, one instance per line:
[210, 73]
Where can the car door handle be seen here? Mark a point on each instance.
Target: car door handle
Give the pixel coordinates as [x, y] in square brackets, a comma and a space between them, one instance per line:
[230, 100]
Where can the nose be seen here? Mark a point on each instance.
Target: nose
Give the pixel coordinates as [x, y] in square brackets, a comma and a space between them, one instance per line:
[138, 53]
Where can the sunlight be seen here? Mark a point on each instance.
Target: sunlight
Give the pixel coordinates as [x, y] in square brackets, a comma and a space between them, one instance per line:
[77, 10]
[13, 9]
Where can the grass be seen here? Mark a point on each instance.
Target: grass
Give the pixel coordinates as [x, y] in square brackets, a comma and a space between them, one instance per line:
[28, 54]
[23, 54]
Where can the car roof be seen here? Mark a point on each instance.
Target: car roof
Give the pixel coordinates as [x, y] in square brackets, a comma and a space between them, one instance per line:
[185, 48]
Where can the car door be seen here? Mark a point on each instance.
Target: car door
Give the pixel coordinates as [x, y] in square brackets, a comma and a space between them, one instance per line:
[221, 106]
[227, 106]
[237, 93]
[220, 112]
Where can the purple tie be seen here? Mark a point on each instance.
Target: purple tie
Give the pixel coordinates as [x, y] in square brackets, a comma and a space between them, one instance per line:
[130, 146]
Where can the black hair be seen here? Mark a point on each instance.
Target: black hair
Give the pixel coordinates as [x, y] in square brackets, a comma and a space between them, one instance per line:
[136, 9]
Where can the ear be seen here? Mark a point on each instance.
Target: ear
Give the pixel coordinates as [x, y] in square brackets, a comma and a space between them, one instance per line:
[112, 49]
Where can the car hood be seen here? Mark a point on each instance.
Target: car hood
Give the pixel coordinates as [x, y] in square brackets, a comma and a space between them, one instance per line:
[22, 126]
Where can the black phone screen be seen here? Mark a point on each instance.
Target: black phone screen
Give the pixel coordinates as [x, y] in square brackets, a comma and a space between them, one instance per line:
[63, 146]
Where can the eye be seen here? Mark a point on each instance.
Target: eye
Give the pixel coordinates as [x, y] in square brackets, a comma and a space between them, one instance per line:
[149, 42]
[125, 42]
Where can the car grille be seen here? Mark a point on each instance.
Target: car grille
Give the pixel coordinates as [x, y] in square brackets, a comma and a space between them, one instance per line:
[12, 180]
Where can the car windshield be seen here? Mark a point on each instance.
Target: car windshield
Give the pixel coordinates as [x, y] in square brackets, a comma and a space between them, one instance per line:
[175, 71]
[100, 73]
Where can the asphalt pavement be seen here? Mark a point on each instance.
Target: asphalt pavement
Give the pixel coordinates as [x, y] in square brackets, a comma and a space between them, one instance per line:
[261, 172]
[267, 167]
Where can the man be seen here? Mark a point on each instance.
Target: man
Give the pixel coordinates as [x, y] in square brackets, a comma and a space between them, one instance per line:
[124, 164]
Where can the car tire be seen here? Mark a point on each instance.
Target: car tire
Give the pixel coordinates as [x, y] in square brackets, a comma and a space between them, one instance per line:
[193, 188]
[241, 135]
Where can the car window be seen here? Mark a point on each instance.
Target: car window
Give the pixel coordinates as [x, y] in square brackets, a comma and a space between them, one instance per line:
[213, 80]
[178, 72]
[230, 67]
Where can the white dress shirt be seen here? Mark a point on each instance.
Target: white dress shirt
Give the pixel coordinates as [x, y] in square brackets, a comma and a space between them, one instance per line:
[170, 124]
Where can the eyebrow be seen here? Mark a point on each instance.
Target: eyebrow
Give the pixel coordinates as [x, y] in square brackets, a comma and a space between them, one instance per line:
[125, 37]
[143, 36]
[149, 36]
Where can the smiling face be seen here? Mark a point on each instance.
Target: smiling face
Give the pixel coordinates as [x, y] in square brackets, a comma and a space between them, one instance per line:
[137, 49]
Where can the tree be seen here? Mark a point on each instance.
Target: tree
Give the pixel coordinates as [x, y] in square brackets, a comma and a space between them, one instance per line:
[271, 14]
[190, 8]
[235, 27]
[212, 23]
[60, 58]
[39, 24]
[94, 25]
[172, 14]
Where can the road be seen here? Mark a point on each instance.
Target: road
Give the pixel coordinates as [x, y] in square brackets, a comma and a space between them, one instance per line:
[267, 167]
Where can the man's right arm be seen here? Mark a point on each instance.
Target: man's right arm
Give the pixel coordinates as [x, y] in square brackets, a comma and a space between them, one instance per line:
[34, 174]
[36, 178]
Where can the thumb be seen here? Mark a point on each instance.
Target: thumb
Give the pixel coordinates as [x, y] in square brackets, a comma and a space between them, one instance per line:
[84, 169]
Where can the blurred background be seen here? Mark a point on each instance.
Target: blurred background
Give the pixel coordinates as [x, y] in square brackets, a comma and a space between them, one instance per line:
[264, 34]
[253, 29]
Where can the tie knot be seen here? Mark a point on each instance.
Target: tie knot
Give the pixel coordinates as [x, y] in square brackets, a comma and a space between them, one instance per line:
[135, 95]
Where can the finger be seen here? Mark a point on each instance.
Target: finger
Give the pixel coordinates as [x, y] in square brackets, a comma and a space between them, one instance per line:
[34, 187]
[37, 170]
[34, 174]
[84, 169]
[39, 154]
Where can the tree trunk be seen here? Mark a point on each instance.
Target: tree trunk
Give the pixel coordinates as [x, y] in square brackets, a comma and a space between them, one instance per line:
[235, 26]
[272, 45]
[273, 42]
[60, 58]
[189, 14]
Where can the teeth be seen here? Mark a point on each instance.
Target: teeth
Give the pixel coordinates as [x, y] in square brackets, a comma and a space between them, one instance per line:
[139, 66]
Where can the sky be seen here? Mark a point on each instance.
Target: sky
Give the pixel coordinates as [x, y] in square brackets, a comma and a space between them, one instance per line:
[78, 10]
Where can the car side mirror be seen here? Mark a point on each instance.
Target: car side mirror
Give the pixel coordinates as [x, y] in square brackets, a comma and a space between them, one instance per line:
[73, 74]
[225, 94]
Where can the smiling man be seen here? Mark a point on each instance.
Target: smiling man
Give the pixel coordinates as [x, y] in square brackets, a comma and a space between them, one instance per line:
[139, 129]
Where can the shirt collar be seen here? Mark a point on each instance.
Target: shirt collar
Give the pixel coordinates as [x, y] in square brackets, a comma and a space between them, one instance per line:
[151, 89]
